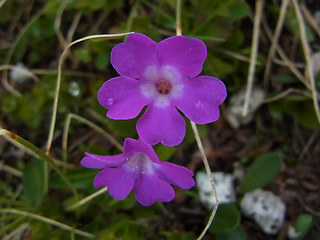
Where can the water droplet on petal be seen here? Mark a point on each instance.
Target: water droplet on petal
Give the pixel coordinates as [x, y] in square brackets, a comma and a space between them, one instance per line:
[110, 101]
[199, 104]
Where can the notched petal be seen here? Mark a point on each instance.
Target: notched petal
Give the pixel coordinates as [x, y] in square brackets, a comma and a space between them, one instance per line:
[122, 97]
[176, 175]
[132, 57]
[149, 188]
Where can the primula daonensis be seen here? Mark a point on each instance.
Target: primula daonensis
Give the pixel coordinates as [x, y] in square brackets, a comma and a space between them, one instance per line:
[162, 76]
[138, 167]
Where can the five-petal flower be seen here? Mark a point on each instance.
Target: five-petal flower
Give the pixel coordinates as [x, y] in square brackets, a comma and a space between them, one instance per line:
[163, 77]
[138, 168]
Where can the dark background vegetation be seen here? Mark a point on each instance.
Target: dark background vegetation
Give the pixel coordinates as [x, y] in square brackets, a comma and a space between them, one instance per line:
[287, 126]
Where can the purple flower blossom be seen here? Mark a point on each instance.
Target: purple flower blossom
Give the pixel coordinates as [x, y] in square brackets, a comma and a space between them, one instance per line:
[138, 167]
[162, 76]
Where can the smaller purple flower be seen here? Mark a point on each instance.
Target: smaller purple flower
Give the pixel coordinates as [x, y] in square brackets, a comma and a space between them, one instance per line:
[138, 168]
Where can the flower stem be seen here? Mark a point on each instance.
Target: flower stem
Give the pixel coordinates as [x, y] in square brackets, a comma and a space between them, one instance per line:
[207, 167]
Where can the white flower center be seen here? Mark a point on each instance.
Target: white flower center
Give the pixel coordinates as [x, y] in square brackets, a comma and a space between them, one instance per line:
[161, 85]
[140, 163]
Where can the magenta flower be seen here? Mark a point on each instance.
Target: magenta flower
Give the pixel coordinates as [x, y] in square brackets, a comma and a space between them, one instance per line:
[138, 167]
[163, 77]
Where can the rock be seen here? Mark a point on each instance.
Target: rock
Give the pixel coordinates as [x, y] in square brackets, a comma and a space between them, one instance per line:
[266, 209]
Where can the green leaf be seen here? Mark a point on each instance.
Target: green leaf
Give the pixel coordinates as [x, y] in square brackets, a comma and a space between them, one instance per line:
[262, 171]
[178, 236]
[237, 233]
[302, 226]
[164, 152]
[226, 219]
[34, 182]
[83, 54]
[302, 109]
[8, 103]
[240, 10]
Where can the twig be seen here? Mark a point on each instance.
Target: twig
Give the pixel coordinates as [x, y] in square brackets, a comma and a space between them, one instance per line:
[61, 60]
[254, 52]
[86, 199]
[275, 40]
[47, 220]
[307, 55]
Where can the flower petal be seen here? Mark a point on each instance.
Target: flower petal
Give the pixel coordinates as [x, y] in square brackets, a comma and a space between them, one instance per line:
[132, 146]
[186, 54]
[118, 180]
[149, 188]
[164, 125]
[132, 57]
[98, 161]
[176, 175]
[201, 99]
[122, 96]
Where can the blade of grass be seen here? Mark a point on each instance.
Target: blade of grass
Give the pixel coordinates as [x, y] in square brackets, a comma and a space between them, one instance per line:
[47, 220]
[41, 155]
[12, 225]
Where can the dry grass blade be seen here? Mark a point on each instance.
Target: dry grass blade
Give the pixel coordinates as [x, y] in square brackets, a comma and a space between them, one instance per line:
[61, 60]
[86, 199]
[310, 19]
[307, 55]
[47, 220]
[2, 2]
[275, 40]
[90, 124]
[254, 53]
[198, 140]
[207, 167]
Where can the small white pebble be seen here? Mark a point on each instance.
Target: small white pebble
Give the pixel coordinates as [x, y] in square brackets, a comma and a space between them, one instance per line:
[224, 186]
[74, 89]
[266, 209]
[235, 107]
[20, 73]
